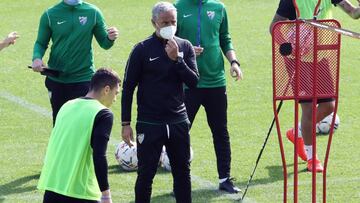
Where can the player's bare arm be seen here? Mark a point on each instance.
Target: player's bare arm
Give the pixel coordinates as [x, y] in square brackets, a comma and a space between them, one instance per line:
[10, 39]
[350, 9]
[276, 18]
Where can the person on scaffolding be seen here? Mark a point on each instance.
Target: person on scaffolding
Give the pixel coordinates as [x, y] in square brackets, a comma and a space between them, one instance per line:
[286, 11]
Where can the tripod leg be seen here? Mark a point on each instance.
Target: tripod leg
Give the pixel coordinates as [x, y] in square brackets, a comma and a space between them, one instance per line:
[261, 151]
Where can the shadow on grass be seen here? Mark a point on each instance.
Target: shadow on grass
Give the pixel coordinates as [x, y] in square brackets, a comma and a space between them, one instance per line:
[275, 174]
[113, 169]
[16, 186]
[200, 195]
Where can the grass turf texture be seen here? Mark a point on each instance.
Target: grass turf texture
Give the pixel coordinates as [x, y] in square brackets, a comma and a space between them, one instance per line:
[24, 132]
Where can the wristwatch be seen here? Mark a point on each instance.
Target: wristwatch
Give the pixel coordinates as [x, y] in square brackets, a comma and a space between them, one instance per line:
[235, 61]
[179, 60]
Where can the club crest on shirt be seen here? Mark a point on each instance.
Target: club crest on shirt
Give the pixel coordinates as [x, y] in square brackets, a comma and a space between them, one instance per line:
[140, 137]
[211, 14]
[82, 20]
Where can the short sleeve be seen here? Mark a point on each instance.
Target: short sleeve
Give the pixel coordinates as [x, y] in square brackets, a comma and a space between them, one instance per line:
[286, 9]
[335, 2]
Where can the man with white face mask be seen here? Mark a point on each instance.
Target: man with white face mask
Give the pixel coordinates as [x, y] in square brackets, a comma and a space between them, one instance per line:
[70, 25]
[159, 66]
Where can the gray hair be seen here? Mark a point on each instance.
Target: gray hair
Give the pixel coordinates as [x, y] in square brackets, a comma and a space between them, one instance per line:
[161, 7]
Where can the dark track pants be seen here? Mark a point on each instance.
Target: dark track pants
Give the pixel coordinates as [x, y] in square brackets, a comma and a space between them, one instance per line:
[52, 197]
[60, 93]
[150, 140]
[214, 101]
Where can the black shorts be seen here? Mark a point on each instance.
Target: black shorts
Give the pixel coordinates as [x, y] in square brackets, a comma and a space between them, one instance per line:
[326, 87]
[52, 197]
[318, 101]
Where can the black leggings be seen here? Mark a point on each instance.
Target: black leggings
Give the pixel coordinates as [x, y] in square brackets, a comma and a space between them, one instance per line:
[52, 197]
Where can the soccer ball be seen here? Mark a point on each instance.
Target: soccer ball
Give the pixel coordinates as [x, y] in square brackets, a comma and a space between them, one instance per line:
[127, 156]
[323, 127]
[164, 159]
[165, 162]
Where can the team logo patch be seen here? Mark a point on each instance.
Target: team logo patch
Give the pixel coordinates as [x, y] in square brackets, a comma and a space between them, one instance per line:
[211, 14]
[140, 137]
[82, 20]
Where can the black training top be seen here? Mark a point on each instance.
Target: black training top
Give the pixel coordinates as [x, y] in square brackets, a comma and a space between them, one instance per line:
[160, 80]
[286, 8]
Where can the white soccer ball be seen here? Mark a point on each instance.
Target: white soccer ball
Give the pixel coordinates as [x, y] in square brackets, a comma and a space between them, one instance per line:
[164, 159]
[165, 162]
[127, 156]
[323, 127]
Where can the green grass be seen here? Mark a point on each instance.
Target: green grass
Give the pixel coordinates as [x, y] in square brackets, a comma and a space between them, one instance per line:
[24, 133]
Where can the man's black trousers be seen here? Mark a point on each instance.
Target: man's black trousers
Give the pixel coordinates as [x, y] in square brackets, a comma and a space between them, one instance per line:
[150, 140]
[60, 93]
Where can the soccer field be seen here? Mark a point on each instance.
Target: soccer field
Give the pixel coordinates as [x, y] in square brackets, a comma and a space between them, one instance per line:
[25, 113]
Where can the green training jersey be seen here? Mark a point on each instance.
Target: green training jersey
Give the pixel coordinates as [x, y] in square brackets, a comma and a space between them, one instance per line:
[206, 27]
[68, 167]
[71, 30]
[306, 8]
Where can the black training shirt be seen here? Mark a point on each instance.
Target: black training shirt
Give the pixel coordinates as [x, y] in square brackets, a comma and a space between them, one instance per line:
[160, 81]
[99, 139]
[286, 8]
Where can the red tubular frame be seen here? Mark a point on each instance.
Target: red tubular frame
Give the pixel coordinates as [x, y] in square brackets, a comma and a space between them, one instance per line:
[332, 122]
[314, 110]
[296, 84]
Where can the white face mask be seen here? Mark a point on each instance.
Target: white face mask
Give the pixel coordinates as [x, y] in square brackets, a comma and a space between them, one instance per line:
[73, 2]
[168, 32]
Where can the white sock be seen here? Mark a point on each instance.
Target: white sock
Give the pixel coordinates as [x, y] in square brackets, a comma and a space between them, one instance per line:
[309, 150]
[299, 130]
[222, 180]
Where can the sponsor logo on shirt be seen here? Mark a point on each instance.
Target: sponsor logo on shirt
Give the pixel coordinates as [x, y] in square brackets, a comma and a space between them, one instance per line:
[82, 20]
[140, 137]
[187, 15]
[211, 14]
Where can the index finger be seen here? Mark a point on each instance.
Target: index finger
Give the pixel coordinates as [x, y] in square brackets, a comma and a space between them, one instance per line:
[112, 29]
[172, 43]
[198, 49]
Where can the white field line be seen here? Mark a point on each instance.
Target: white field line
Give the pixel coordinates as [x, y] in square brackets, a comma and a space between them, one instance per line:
[27, 105]
[45, 112]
